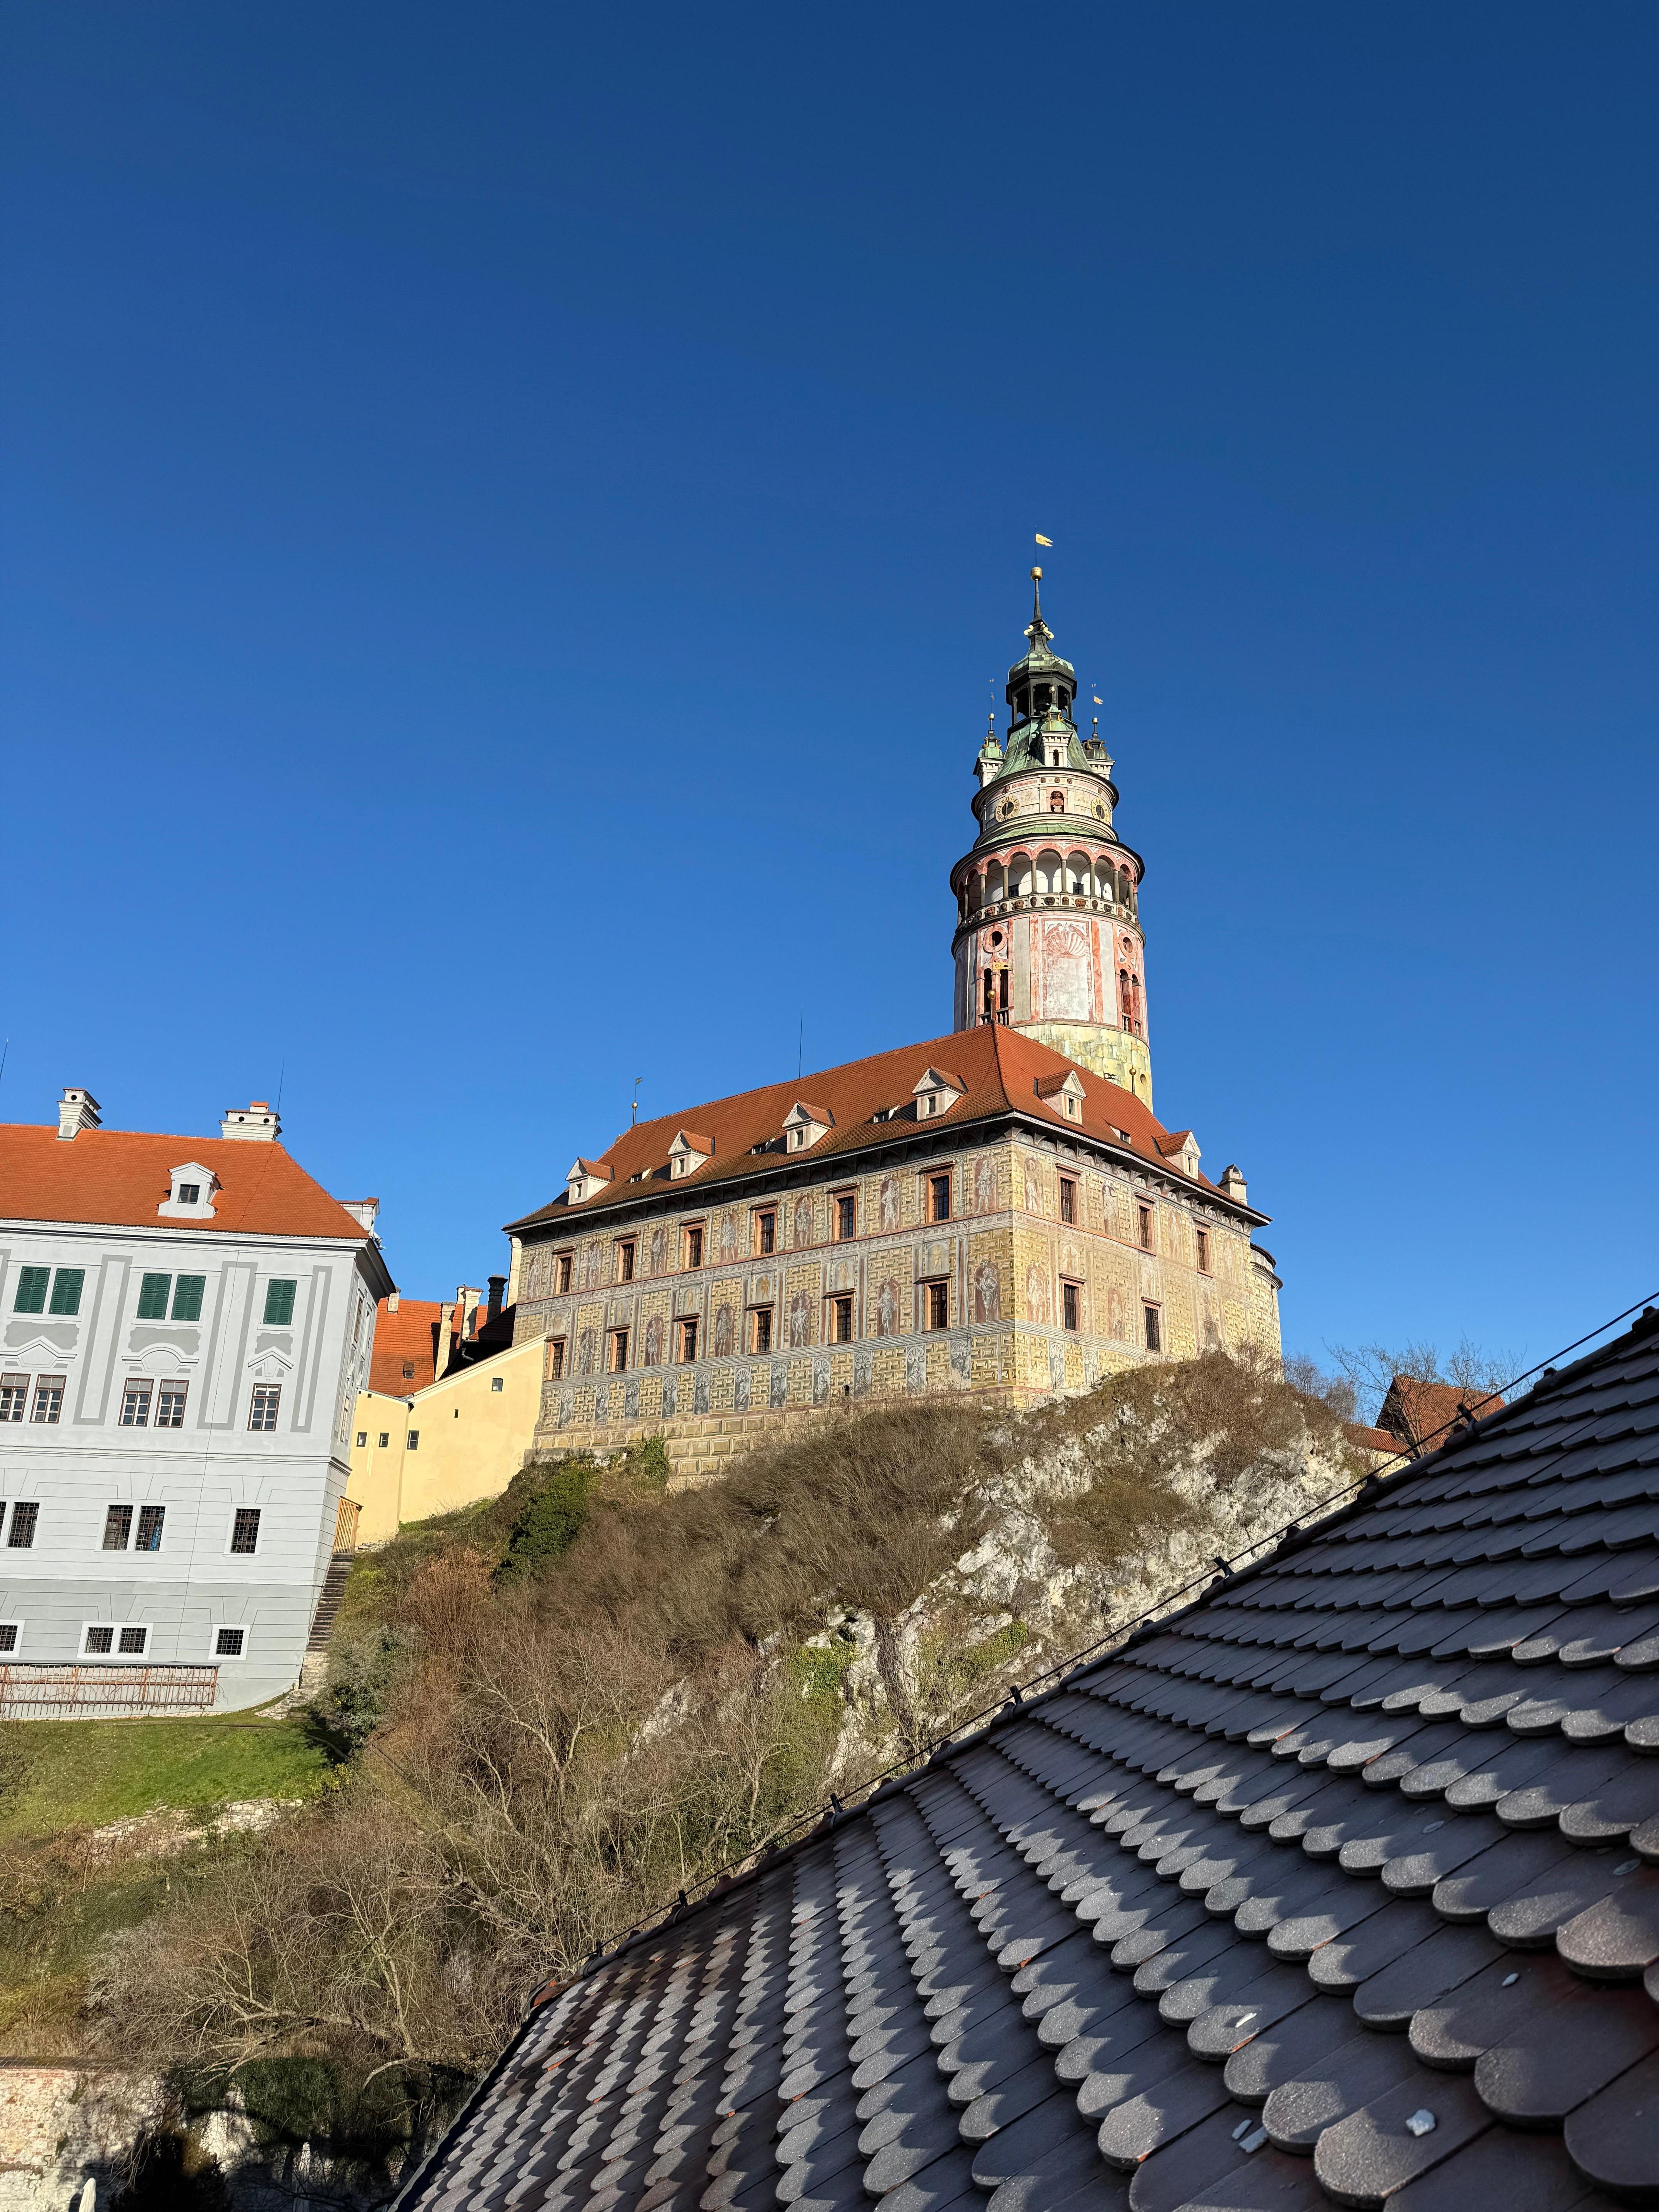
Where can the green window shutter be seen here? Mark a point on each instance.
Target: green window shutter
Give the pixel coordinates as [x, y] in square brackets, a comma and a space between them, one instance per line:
[153, 1298]
[31, 1290]
[279, 1303]
[66, 1290]
[187, 1297]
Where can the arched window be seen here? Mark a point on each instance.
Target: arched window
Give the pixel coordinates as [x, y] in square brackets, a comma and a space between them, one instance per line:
[1050, 873]
[1077, 870]
[994, 892]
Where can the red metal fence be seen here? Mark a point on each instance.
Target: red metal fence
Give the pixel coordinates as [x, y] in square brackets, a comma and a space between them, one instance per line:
[41, 1692]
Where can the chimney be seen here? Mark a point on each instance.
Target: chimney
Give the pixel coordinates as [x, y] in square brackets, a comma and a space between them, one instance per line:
[76, 1110]
[498, 1285]
[466, 1309]
[1232, 1186]
[257, 1123]
[392, 1301]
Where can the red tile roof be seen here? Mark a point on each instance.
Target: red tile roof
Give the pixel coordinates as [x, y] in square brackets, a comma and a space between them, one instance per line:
[999, 1068]
[408, 1337]
[1414, 1411]
[120, 1176]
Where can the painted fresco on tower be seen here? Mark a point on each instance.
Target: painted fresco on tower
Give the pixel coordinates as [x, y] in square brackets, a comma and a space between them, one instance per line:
[985, 1183]
[890, 1203]
[728, 1243]
[803, 1222]
[1068, 978]
[1033, 1187]
[887, 1307]
[1036, 1292]
[987, 1292]
[653, 1342]
[800, 1320]
[659, 1255]
[726, 1331]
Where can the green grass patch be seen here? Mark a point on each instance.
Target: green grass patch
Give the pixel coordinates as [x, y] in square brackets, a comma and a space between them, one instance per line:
[64, 1774]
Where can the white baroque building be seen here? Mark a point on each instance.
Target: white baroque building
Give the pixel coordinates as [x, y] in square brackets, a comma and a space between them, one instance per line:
[184, 1324]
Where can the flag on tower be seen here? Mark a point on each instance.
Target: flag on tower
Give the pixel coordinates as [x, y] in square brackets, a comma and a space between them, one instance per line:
[1042, 540]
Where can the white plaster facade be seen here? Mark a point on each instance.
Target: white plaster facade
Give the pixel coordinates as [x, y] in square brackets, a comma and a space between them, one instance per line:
[129, 1420]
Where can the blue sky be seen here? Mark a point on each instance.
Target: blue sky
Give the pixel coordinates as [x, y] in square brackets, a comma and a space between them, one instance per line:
[509, 512]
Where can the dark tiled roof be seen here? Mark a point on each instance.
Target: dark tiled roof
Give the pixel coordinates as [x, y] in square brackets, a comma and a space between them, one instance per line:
[1339, 1887]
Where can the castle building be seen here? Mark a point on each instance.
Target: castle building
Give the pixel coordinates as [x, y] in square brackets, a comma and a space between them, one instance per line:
[997, 1210]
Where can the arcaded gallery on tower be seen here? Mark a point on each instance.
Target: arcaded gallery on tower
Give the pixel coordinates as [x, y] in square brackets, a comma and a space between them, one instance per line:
[997, 1210]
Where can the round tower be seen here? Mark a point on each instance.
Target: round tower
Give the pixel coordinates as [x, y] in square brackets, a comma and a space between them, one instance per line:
[1047, 902]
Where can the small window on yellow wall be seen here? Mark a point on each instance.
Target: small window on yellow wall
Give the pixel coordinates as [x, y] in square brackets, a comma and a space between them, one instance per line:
[936, 1305]
[1204, 1251]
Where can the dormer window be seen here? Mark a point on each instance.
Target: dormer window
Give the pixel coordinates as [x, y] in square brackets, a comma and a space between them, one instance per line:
[936, 1093]
[802, 1125]
[1064, 1093]
[586, 1180]
[687, 1153]
[190, 1192]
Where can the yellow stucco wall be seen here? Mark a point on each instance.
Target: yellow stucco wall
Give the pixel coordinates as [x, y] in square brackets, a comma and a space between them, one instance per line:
[472, 1438]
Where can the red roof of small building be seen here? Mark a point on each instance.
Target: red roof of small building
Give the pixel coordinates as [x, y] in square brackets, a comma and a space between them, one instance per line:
[1415, 1410]
[119, 1177]
[405, 1338]
[1000, 1069]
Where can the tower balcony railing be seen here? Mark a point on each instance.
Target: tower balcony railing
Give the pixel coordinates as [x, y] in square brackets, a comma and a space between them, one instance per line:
[998, 909]
[998, 1014]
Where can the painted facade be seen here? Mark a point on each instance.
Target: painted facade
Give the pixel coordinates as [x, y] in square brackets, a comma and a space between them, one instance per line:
[185, 1323]
[996, 1211]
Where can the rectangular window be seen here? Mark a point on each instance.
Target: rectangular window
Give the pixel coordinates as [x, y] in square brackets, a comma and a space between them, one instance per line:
[230, 1642]
[1067, 1198]
[66, 1290]
[386, 1439]
[693, 1246]
[841, 1320]
[32, 1286]
[9, 1634]
[151, 1518]
[130, 1642]
[362, 1439]
[688, 1339]
[13, 1396]
[187, 1297]
[279, 1303]
[938, 1197]
[1068, 1305]
[48, 1398]
[135, 1403]
[936, 1310]
[561, 1267]
[1154, 1328]
[618, 1360]
[497, 1383]
[766, 1232]
[100, 1637]
[625, 1261]
[262, 1412]
[846, 1215]
[153, 1297]
[555, 1360]
[170, 1405]
[1146, 1227]
[413, 1440]
[117, 1527]
[245, 1530]
[1203, 1251]
[23, 1520]
[759, 1329]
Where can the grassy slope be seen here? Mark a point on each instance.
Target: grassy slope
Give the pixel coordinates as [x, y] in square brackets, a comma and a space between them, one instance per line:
[88, 1773]
[61, 1778]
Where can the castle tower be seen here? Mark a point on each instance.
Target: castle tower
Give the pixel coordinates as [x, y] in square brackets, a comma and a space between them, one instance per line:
[1047, 902]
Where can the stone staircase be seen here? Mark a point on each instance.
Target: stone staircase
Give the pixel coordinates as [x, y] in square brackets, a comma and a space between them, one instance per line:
[328, 1603]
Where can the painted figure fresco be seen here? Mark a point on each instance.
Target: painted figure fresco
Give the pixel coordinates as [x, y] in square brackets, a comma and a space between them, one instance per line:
[985, 1183]
[800, 1319]
[987, 1292]
[659, 1249]
[890, 1203]
[1117, 1314]
[728, 1238]
[1036, 1291]
[654, 1330]
[587, 1361]
[803, 1222]
[1033, 1187]
[887, 1309]
[1068, 983]
[726, 1331]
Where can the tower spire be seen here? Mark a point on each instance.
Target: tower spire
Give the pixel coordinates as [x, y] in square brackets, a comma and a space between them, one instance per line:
[1039, 630]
